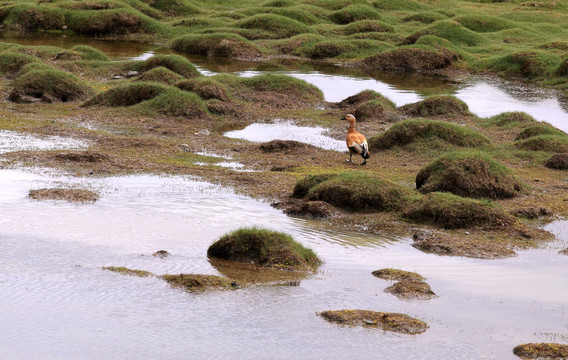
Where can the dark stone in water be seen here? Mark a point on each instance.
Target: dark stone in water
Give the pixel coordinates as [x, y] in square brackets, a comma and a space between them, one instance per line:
[161, 254]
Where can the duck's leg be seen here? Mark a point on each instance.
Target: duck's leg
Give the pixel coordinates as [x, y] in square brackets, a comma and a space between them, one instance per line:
[350, 156]
[364, 162]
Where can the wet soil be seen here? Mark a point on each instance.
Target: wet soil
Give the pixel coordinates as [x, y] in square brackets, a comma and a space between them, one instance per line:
[541, 351]
[72, 195]
[411, 289]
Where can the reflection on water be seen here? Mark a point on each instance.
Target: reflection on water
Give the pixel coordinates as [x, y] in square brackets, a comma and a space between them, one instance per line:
[58, 303]
[287, 131]
[14, 141]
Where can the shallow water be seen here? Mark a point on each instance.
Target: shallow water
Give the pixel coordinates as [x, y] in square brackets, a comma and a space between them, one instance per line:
[286, 130]
[58, 304]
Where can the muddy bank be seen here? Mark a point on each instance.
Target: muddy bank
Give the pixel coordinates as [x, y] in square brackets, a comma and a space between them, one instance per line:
[395, 322]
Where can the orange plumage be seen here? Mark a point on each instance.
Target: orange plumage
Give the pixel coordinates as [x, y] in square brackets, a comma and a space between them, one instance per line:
[356, 142]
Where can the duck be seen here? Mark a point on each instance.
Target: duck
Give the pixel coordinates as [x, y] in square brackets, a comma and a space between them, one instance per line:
[356, 142]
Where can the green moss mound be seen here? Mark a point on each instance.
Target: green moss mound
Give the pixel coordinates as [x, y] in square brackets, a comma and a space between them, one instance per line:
[355, 191]
[368, 26]
[49, 85]
[429, 134]
[426, 17]
[484, 23]
[175, 7]
[264, 247]
[199, 282]
[548, 143]
[220, 44]
[277, 26]
[160, 74]
[437, 106]
[372, 109]
[469, 174]
[558, 162]
[175, 63]
[450, 30]
[541, 351]
[31, 17]
[410, 59]
[128, 94]
[11, 62]
[90, 53]
[283, 84]
[205, 87]
[539, 129]
[450, 211]
[526, 64]
[354, 13]
[110, 22]
[175, 102]
[562, 69]
[365, 96]
[511, 119]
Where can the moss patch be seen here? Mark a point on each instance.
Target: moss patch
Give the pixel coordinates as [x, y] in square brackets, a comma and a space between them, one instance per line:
[410, 60]
[72, 195]
[541, 351]
[175, 63]
[162, 75]
[199, 282]
[206, 88]
[411, 289]
[398, 275]
[127, 94]
[264, 247]
[511, 119]
[469, 174]
[539, 129]
[219, 44]
[548, 143]
[395, 322]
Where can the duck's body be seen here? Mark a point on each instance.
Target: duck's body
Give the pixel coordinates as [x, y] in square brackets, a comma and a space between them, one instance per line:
[356, 142]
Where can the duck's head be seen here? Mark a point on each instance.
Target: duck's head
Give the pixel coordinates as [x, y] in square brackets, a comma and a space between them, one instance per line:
[349, 118]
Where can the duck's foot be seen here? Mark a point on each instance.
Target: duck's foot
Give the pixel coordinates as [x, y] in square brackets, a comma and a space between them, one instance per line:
[364, 163]
[347, 160]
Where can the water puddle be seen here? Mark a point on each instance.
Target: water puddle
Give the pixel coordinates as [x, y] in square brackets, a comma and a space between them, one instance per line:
[315, 136]
[15, 141]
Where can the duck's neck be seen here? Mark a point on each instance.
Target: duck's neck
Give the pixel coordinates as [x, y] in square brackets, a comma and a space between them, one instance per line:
[351, 127]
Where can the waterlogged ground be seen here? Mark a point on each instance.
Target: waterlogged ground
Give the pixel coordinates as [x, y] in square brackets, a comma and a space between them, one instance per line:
[57, 302]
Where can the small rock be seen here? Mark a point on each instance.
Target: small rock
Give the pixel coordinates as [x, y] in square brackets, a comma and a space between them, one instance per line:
[202, 132]
[161, 254]
[132, 73]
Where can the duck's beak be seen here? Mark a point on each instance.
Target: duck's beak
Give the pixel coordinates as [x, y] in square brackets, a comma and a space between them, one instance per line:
[343, 118]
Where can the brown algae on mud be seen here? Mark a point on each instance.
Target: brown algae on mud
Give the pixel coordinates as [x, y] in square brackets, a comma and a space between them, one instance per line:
[71, 195]
[541, 351]
[126, 271]
[398, 275]
[395, 322]
[411, 289]
[200, 282]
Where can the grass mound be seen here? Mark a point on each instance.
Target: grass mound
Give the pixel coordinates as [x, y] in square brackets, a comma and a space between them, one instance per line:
[11, 62]
[398, 275]
[400, 323]
[539, 129]
[221, 45]
[110, 22]
[526, 64]
[426, 17]
[454, 212]
[548, 143]
[437, 106]
[356, 191]
[469, 174]
[276, 26]
[427, 133]
[558, 162]
[205, 87]
[484, 23]
[175, 63]
[354, 13]
[368, 26]
[127, 94]
[372, 109]
[175, 7]
[283, 85]
[541, 351]
[90, 53]
[450, 30]
[195, 282]
[364, 96]
[49, 85]
[511, 119]
[175, 102]
[410, 60]
[162, 75]
[264, 247]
